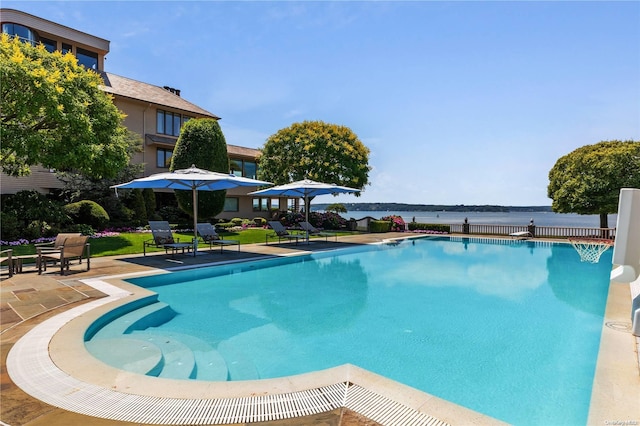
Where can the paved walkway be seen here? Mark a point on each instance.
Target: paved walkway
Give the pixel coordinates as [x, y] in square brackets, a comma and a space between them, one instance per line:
[27, 299]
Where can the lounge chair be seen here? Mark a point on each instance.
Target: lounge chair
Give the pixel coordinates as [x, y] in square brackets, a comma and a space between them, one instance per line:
[209, 235]
[73, 248]
[523, 235]
[315, 231]
[7, 256]
[280, 231]
[163, 238]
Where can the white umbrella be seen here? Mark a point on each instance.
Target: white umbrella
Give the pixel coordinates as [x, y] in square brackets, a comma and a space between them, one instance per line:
[305, 189]
[193, 179]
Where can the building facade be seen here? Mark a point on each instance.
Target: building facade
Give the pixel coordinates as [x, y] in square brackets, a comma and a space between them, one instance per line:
[155, 113]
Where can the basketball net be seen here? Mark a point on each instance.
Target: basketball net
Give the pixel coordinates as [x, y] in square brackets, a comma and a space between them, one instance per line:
[590, 249]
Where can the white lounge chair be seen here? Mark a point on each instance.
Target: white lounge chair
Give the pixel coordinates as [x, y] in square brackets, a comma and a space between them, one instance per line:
[209, 235]
[523, 235]
[312, 230]
[163, 238]
[281, 232]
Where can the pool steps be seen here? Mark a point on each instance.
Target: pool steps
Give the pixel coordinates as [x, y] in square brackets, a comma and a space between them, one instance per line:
[169, 355]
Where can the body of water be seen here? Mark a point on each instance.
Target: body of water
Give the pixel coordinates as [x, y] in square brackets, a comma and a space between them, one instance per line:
[489, 218]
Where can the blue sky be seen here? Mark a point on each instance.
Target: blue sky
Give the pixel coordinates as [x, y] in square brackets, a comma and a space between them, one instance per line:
[459, 102]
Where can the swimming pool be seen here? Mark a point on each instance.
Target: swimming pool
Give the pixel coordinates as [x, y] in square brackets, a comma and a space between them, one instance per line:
[507, 328]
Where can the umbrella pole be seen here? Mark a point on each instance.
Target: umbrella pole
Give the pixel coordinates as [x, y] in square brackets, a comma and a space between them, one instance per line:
[195, 221]
[306, 213]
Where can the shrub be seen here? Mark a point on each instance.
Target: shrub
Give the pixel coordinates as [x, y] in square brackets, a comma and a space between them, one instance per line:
[172, 214]
[379, 226]
[260, 221]
[327, 220]
[82, 228]
[9, 226]
[88, 212]
[434, 227]
[397, 223]
[225, 225]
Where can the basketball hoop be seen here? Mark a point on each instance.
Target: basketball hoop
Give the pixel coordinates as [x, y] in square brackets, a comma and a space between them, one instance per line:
[590, 249]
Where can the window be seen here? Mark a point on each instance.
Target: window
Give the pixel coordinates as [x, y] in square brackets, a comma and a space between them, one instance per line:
[20, 31]
[243, 168]
[50, 45]
[86, 58]
[169, 123]
[231, 204]
[163, 158]
[260, 204]
[275, 204]
[66, 48]
[250, 169]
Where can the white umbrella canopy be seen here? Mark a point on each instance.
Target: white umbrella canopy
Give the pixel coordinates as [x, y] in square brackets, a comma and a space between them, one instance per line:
[193, 179]
[306, 189]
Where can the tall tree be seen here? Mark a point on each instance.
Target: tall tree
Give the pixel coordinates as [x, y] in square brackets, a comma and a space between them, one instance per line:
[201, 143]
[588, 180]
[318, 151]
[53, 113]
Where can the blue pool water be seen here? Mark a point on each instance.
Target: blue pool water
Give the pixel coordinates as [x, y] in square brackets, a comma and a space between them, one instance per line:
[507, 328]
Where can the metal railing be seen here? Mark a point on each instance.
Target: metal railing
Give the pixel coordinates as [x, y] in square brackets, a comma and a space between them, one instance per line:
[535, 230]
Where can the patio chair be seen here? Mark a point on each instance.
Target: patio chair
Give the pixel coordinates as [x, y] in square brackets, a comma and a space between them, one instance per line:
[53, 246]
[209, 235]
[312, 230]
[163, 238]
[73, 248]
[58, 242]
[7, 256]
[280, 232]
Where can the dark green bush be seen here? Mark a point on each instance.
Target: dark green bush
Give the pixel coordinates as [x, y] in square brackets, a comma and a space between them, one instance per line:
[29, 206]
[9, 229]
[437, 227]
[173, 214]
[380, 226]
[87, 212]
[82, 228]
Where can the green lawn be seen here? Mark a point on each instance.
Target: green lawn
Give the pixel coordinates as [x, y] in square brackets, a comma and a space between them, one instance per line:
[131, 243]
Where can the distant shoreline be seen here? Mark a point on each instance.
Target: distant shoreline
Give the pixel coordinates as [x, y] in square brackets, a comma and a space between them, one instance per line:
[382, 207]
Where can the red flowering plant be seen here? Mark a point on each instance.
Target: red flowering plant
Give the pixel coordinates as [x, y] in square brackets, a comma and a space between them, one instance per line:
[397, 223]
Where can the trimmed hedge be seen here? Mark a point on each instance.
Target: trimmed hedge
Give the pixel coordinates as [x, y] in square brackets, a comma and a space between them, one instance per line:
[87, 212]
[380, 226]
[414, 226]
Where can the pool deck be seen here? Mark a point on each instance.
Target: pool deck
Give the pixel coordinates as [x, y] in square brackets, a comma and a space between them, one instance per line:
[28, 299]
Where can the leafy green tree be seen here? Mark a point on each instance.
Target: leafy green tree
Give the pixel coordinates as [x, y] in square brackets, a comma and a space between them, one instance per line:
[201, 143]
[318, 151]
[53, 113]
[336, 208]
[588, 180]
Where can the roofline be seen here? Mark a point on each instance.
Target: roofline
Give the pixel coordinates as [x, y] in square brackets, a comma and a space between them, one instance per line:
[211, 115]
[29, 20]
